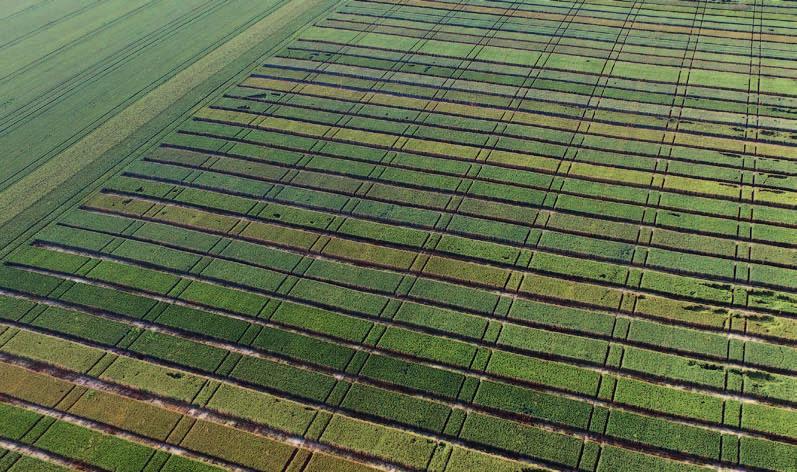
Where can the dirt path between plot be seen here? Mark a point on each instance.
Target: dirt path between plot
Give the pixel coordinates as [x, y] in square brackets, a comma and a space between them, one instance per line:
[72, 160]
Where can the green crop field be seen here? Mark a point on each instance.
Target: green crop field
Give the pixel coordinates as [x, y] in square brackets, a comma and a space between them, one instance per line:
[398, 235]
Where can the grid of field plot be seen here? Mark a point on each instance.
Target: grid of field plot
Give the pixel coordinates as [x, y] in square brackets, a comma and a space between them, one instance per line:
[438, 235]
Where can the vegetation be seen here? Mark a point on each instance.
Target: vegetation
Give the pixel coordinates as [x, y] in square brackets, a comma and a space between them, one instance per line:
[420, 235]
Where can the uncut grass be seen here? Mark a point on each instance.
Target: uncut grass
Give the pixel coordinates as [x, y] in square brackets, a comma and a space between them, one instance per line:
[161, 44]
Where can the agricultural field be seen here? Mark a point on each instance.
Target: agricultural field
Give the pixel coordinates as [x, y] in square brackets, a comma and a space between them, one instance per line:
[79, 77]
[66, 65]
[404, 235]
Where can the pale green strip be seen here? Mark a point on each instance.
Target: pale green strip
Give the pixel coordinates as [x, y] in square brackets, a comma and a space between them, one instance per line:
[72, 160]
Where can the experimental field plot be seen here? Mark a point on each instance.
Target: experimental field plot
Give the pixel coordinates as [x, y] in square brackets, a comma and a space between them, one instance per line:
[437, 235]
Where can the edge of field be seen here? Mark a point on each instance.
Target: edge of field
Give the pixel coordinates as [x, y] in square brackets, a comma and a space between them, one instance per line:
[58, 185]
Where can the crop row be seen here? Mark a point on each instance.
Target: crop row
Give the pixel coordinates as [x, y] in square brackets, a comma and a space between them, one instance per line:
[630, 64]
[83, 445]
[559, 96]
[618, 184]
[604, 126]
[682, 8]
[269, 342]
[391, 114]
[506, 170]
[502, 201]
[274, 264]
[504, 252]
[733, 51]
[568, 84]
[601, 273]
[588, 21]
[491, 221]
[714, 13]
[232, 401]
[567, 292]
[540, 32]
[204, 358]
[16, 462]
[403, 39]
[456, 246]
[547, 92]
[441, 236]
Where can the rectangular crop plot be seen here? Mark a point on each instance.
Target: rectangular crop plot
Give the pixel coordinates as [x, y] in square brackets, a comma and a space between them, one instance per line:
[400, 235]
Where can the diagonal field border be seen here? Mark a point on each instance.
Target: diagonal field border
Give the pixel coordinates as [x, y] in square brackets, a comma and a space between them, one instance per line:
[113, 132]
